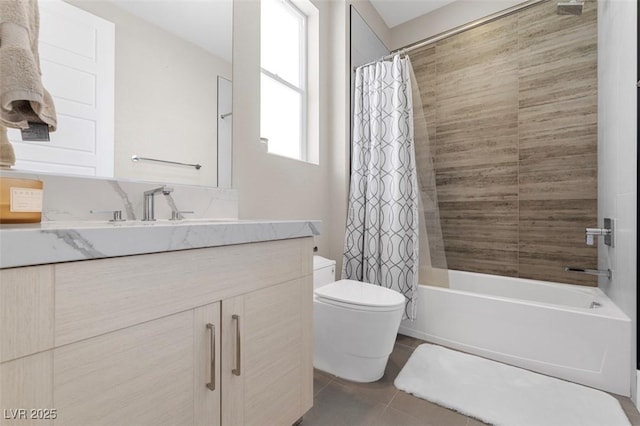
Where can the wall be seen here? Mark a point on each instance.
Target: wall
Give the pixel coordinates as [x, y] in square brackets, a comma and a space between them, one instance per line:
[73, 198]
[270, 186]
[450, 16]
[374, 21]
[365, 38]
[511, 110]
[617, 148]
[337, 65]
[365, 45]
[185, 90]
[274, 187]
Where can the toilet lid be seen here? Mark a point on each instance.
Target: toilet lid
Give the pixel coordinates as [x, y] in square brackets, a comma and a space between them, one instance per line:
[361, 294]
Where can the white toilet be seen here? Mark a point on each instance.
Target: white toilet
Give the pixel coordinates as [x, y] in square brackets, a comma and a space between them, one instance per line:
[355, 324]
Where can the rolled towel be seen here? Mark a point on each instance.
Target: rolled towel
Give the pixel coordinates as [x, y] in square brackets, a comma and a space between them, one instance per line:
[23, 98]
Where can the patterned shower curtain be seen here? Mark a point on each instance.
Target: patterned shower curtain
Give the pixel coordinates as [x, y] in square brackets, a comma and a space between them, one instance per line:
[381, 241]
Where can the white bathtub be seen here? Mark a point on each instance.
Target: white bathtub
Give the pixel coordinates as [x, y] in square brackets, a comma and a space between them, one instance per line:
[541, 326]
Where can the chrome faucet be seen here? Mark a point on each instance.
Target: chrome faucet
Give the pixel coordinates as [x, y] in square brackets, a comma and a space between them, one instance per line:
[148, 214]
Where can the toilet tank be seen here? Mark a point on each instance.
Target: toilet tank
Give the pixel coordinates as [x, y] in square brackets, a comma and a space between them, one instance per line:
[324, 271]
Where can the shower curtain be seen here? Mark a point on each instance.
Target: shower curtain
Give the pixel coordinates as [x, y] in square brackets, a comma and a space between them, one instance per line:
[381, 240]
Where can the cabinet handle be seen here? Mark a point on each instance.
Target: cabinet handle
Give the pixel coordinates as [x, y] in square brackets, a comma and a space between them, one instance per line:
[212, 332]
[236, 370]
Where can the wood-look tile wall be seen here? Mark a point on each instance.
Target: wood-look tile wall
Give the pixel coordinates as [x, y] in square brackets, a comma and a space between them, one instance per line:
[511, 113]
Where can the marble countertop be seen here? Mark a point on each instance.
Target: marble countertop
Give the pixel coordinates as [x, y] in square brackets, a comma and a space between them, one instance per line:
[54, 242]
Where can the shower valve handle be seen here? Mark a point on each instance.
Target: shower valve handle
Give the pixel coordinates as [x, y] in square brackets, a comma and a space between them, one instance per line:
[591, 232]
[606, 232]
[589, 239]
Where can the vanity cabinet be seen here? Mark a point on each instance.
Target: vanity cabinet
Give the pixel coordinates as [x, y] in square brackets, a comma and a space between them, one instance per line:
[209, 336]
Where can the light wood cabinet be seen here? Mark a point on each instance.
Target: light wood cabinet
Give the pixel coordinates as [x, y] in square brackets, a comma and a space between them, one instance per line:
[142, 374]
[267, 378]
[225, 341]
[27, 384]
[26, 311]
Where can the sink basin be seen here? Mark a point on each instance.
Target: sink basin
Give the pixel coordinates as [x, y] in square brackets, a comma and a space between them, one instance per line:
[199, 220]
[182, 222]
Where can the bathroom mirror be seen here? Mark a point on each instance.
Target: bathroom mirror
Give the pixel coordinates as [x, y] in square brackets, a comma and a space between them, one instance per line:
[145, 80]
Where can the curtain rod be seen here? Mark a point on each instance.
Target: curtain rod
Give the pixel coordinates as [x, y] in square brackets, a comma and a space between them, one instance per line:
[456, 30]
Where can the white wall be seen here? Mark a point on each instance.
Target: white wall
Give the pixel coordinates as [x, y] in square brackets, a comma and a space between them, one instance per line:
[366, 45]
[275, 187]
[370, 15]
[338, 186]
[165, 100]
[617, 153]
[270, 186]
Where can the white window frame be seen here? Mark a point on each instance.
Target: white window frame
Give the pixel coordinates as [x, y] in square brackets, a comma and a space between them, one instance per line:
[302, 90]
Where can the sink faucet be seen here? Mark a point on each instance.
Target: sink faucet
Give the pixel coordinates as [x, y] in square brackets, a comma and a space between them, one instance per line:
[148, 214]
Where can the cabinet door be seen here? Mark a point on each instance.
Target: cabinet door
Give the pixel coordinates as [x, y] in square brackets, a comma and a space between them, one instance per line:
[142, 375]
[267, 368]
[26, 311]
[207, 364]
[26, 391]
[155, 373]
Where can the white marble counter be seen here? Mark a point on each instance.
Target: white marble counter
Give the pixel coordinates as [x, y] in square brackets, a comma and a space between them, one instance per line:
[54, 242]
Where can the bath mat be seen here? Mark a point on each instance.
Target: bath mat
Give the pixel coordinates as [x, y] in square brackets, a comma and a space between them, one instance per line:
[503, 395]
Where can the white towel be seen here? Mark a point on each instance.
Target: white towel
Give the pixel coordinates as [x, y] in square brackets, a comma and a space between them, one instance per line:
[23, 98]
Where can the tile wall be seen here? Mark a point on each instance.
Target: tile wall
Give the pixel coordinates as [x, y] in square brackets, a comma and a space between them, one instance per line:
[511, 109]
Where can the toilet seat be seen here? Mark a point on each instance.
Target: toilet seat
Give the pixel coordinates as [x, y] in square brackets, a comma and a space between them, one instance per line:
[360, 296]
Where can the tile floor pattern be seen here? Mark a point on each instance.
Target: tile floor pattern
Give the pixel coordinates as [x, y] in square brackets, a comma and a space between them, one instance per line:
[339, 402]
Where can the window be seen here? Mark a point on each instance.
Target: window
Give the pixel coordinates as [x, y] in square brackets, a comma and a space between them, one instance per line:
[283, 80]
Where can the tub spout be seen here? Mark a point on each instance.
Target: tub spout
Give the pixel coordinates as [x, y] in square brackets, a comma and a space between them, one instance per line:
[597, 272]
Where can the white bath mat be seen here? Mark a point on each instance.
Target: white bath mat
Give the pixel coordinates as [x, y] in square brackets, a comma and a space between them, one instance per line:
[500, 394]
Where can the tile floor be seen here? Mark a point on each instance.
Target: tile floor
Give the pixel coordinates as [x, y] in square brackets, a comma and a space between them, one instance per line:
[339, 402]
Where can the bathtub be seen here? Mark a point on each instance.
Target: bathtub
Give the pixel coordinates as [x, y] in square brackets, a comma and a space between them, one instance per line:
[571, 332]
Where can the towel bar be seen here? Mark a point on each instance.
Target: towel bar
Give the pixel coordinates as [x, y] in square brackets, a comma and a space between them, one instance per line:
[136, 158]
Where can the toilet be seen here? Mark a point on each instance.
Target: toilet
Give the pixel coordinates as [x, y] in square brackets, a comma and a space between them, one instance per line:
[355, 324]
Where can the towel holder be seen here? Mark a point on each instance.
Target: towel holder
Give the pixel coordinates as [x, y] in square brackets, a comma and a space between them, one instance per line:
[136, 158]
